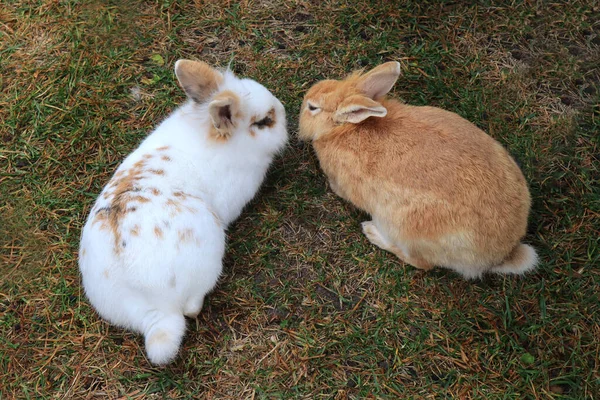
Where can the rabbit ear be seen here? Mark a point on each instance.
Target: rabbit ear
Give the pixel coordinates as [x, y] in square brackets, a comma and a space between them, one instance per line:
[198, 79]
[377, 82]
[357, 108]
[224, 112]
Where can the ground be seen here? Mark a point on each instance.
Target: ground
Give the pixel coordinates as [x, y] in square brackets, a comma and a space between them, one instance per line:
[307, 307]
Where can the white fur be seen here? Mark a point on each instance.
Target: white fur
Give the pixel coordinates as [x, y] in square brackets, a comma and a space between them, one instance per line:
[527, 263]
[149, 281]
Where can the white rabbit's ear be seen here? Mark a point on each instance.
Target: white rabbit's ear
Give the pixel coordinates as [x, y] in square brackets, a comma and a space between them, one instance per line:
[379, 81]
[224, 112]
[357, 108]
[198, 79]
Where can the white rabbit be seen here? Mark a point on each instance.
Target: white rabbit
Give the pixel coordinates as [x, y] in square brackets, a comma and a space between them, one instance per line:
[153, 244]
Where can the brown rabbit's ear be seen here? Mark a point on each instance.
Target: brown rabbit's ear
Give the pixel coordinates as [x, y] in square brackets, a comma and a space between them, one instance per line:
[198, 79]
[357, 108]
[378, 81]
[224, 112]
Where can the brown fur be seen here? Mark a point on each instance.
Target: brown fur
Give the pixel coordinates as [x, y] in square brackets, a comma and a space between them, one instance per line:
[198, 79]
[186, 235]
[436, 185]
[225, 112]
[124, 184]
[175, 207]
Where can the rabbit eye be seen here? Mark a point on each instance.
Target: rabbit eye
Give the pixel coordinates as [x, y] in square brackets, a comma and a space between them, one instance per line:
[266, 121]
[314, 110]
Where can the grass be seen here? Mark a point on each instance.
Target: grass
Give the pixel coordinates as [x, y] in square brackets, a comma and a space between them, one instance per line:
[307, 308]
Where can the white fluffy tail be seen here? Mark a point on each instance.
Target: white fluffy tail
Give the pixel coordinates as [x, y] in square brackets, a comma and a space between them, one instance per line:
[522, 259]
[163, 334]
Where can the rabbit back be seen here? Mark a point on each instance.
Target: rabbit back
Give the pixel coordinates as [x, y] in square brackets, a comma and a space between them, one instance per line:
[146, 234]
[444, 188]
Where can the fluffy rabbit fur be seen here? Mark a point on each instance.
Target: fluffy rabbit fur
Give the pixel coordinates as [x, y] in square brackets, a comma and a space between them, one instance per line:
[440, 191]
[152, 246]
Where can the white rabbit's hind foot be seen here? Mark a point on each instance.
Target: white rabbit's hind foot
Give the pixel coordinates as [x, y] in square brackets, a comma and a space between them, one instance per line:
[193, 306]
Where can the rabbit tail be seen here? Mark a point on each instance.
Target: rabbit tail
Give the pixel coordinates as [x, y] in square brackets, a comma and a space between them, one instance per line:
[522, 259]
[163, 333]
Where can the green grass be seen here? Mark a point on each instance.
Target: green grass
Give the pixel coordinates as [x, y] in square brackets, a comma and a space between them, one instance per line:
[307, 308]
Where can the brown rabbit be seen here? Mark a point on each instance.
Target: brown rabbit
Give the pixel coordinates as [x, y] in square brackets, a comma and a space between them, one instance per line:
[441, 192]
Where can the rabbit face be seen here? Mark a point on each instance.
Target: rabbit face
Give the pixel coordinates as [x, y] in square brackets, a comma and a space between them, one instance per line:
[331, 103]
[243, 113]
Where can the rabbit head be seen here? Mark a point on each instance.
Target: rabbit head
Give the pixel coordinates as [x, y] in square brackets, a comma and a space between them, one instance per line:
[242, 111]
[330, 103]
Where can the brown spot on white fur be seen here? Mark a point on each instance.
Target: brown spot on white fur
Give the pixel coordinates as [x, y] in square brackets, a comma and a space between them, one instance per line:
[157, 171]
[216, 136]
[139, 164]
[225, 113]
[158, 232]
[175, 207]
[179, 205]
[110, 217]
[271, 115]
[165, 158]
[141, 199]
[102, 217]
[155, 191]
[147, 156]
[174, 203]
[186, 235]
[163, 148]
[135, 231]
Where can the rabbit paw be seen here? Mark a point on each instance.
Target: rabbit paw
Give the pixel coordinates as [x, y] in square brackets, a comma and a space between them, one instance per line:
[193, 306]
[374, 236]
[372, 233]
